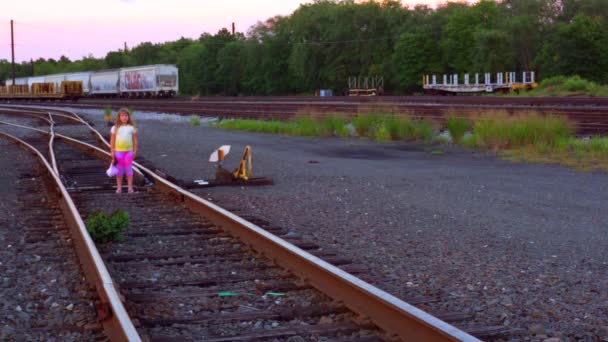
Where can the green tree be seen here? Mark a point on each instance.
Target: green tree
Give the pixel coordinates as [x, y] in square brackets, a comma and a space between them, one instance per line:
[191, 71]
[415, 54]
[578, 48]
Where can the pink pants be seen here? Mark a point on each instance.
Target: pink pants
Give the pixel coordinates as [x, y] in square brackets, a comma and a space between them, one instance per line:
[124, 163]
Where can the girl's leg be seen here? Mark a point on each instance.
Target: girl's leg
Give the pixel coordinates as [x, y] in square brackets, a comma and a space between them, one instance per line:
[130, 183]
[128, 167]
[118, 184]
[120, 165]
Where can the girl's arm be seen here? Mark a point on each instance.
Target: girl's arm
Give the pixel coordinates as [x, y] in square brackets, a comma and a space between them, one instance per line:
[134, 144]
[112, 143]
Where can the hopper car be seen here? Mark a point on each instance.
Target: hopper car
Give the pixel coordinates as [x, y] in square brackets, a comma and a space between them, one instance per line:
[149, 81]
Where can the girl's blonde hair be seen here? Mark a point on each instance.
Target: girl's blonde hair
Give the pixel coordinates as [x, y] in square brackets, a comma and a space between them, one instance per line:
[129, 122]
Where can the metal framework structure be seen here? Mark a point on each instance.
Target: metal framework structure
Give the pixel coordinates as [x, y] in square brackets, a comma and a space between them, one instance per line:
[502, 82]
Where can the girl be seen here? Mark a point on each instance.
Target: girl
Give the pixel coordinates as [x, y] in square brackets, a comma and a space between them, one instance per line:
[123, 144]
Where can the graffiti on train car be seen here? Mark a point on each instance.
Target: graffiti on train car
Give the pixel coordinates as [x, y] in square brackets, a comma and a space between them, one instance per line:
[139, 79]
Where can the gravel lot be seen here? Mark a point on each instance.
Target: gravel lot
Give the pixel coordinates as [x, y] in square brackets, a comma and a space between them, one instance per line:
[518, 245]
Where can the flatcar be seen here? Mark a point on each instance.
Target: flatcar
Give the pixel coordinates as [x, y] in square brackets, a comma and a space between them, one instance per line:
[503, 82]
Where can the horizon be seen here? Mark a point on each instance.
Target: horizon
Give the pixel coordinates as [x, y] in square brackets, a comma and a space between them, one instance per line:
[132, 21]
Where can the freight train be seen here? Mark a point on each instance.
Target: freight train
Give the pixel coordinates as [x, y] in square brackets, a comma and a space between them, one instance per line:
[160, 80]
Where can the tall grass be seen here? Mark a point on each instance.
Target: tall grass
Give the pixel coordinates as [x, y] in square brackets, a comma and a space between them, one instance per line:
[500, 131]
[457, 126]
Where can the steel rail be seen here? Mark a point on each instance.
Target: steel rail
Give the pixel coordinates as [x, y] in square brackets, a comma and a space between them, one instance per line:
[115, 319]
[41, 109]
[51, 140]
[398, 318]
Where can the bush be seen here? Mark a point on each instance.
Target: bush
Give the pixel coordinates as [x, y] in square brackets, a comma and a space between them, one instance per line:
[576, 83]
[457, 128]
[103, 228]
[195, 121]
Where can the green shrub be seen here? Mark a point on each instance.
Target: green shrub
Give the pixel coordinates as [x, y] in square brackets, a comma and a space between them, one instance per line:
[103, 228]
[195, 120]
[457, 127]
[576, 83]
[554, 81]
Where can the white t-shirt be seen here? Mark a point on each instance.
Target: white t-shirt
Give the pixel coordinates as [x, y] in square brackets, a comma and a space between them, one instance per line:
[124, 138]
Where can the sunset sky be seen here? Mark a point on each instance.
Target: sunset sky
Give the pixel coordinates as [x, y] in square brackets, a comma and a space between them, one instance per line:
[76, 28]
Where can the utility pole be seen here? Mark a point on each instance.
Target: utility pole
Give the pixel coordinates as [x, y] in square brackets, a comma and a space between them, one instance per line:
[125, 51]
[233, 29]
[32, 62]
[13, 50]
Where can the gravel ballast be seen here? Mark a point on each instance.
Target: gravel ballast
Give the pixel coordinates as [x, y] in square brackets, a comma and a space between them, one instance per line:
[44, 294]
[518, 245]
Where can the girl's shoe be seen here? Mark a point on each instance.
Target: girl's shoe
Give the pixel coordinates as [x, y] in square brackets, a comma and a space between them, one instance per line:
[118, 191]
[131, 191]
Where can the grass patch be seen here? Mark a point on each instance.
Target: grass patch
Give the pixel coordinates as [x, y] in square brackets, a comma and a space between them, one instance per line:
[194, 121]
[389, 126]
[377, 126]
[104, 228]
[579, 154]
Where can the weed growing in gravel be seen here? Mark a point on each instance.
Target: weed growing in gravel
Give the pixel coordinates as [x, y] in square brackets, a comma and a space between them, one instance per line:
[195, 121]
[104, 228]
[457, 126]
[107, 113]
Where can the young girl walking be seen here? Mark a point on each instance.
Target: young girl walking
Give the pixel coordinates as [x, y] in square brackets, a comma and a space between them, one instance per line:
[123, 144]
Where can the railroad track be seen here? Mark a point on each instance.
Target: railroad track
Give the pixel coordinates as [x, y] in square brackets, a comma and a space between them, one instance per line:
[52, 301]
[189, 270]
[589, 114]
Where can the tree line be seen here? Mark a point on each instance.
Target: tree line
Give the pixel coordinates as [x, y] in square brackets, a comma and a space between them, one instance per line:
[321, 44]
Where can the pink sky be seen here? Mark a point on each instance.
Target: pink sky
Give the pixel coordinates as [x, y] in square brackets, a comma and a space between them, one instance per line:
[76, 28]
